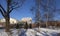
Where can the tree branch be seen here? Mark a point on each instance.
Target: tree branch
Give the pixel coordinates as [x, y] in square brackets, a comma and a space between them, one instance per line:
[2, 13]
[57, 9]
[2, 8]
[16, 6]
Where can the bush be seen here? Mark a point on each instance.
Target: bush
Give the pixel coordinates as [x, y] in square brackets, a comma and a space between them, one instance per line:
[30, 26]
[26, 26]
[17, 26]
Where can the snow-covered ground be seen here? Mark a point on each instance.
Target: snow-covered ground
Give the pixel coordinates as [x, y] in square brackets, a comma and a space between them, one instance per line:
[32, 32]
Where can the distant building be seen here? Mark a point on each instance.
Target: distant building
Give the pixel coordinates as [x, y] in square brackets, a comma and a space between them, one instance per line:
[27, 19]
[12, 21]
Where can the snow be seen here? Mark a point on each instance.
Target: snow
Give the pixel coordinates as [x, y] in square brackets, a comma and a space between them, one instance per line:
[32, 32]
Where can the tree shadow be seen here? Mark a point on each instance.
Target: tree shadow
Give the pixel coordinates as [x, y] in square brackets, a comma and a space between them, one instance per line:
[55, 34]
[44, 33]
[23, 33]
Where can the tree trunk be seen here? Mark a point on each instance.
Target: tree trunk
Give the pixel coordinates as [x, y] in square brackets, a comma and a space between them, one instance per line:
[7, 26]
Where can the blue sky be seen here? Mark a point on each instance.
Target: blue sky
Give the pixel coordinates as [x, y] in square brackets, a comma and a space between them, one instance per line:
[24, 11]
[21, 12]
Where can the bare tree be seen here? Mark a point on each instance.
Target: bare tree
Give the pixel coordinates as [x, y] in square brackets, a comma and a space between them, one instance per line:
[11, 5]
[49, 9]
[37, 15]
